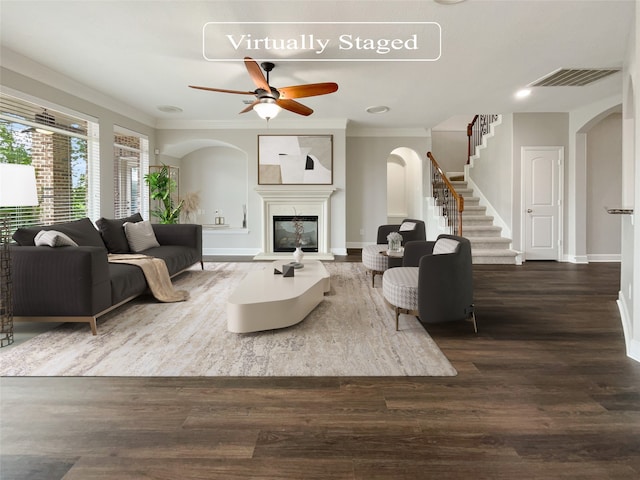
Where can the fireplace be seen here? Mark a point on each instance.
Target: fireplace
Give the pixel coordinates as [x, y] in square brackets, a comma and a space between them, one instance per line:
[310, 203]
[284, 233]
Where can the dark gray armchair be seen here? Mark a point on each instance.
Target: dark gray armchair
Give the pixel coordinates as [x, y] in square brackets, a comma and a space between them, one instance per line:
[374, 258]
[445, 278]
[417, 233]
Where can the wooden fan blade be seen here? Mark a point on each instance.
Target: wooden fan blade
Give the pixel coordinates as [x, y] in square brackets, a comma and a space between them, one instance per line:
[256, 74]
[309, 90]
[294, 107]
[222, 90]
[250, 107]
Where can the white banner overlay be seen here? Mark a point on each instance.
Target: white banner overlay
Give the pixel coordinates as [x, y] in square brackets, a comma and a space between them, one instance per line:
[322, 41]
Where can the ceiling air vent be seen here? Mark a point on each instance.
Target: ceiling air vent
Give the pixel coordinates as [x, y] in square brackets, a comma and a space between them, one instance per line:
[573, 77]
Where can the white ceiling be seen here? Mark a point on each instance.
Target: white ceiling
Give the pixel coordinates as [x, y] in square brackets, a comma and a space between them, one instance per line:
[145, 53]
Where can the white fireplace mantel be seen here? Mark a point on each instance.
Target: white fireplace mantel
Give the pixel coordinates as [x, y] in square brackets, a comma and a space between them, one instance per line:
[307, 200]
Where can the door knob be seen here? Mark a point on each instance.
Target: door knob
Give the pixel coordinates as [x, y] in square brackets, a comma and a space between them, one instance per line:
[529, 210]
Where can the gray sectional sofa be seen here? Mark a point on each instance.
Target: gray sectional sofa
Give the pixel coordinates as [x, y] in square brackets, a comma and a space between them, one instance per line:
[77, 283]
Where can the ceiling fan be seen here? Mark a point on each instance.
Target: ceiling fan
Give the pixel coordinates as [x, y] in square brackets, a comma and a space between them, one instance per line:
[269, 100]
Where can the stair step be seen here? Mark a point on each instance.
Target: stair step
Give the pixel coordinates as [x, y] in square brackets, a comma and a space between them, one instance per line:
[474, 210]
[481, 231]
[471, 201]
[494, 257]
[489, 243]
[476, 219]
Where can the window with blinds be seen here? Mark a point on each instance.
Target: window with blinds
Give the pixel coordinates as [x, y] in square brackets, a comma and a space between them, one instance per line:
[130, 165]
[63, 148]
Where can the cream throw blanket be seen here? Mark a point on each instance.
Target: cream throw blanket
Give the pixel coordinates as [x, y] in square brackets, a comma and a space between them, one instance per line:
[156, 274]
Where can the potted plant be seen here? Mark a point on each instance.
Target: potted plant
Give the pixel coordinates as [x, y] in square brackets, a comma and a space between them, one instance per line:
[161, 188]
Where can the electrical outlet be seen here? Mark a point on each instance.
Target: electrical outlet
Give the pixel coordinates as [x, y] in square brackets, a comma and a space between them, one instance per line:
[362, 232]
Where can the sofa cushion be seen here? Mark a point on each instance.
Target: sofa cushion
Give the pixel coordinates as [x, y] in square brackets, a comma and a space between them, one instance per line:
[112, 232]
[140, 236]
[126, 281]
[176, 257]
[80, 231]
[53, 238]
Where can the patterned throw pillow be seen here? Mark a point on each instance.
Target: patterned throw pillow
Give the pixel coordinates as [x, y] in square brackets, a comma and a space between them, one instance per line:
[445, 245]
[140, 236]
[53, 238]
[407, 226]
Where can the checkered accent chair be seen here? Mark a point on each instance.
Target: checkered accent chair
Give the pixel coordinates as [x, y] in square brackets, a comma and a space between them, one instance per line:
[435, 282]
[377, 264]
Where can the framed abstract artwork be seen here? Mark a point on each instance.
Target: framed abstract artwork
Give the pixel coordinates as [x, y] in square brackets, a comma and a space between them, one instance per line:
[295, 159]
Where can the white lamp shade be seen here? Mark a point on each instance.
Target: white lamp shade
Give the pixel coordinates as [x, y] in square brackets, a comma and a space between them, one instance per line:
[18, 185]
[267, 109]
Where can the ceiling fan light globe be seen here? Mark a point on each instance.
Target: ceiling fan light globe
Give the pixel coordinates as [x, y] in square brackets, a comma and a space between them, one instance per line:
[267, 110]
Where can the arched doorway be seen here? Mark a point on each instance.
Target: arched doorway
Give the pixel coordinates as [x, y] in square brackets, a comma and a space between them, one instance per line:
[404, 185]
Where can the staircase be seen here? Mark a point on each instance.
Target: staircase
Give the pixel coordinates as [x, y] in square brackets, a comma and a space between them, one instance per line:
[487, 244]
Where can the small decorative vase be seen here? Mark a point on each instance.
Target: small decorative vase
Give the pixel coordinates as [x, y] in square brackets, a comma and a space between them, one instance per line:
[298, 255]
[394, 245]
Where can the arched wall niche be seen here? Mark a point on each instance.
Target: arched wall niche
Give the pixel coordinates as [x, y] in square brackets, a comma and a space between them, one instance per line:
[218, 172]
[404, 185]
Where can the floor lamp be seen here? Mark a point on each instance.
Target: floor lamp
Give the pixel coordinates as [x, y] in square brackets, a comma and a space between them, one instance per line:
[17, 189]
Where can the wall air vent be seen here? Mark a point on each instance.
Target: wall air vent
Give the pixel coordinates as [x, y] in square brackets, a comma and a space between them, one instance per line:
[573, 77]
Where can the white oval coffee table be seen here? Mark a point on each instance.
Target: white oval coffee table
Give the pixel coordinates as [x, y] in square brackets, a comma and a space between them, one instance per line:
[265, 301]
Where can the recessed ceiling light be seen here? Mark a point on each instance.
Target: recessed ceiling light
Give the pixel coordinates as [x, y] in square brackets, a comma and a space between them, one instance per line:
[525, 92]
[378, 109]
[169, 109]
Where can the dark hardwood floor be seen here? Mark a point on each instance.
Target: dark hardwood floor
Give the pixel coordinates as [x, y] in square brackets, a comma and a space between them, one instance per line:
[543, 391]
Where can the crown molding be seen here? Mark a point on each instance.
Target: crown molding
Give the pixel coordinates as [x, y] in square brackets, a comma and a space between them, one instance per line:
[251, 124]
[388, 132]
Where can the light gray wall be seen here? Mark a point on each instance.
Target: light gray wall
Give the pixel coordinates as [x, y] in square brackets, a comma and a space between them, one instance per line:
[366, 175]
[450, 149]
[604, 184]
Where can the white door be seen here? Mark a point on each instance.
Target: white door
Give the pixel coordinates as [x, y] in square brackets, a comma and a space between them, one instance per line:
[542, 198]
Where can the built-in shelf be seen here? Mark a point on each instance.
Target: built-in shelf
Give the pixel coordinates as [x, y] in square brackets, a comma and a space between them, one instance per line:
[619, 210]
[223, 230]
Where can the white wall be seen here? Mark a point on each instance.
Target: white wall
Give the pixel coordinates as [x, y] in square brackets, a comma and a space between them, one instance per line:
[604, 184]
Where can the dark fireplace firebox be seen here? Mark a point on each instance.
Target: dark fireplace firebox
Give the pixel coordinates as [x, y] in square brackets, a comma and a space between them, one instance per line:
[284, 233]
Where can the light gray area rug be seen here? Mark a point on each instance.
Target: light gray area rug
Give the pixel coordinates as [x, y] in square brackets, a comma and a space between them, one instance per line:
[351, 333]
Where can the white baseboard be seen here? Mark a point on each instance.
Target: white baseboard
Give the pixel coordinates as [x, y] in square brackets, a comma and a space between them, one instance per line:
[359, 244]
[612, 257]
[575, 259]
